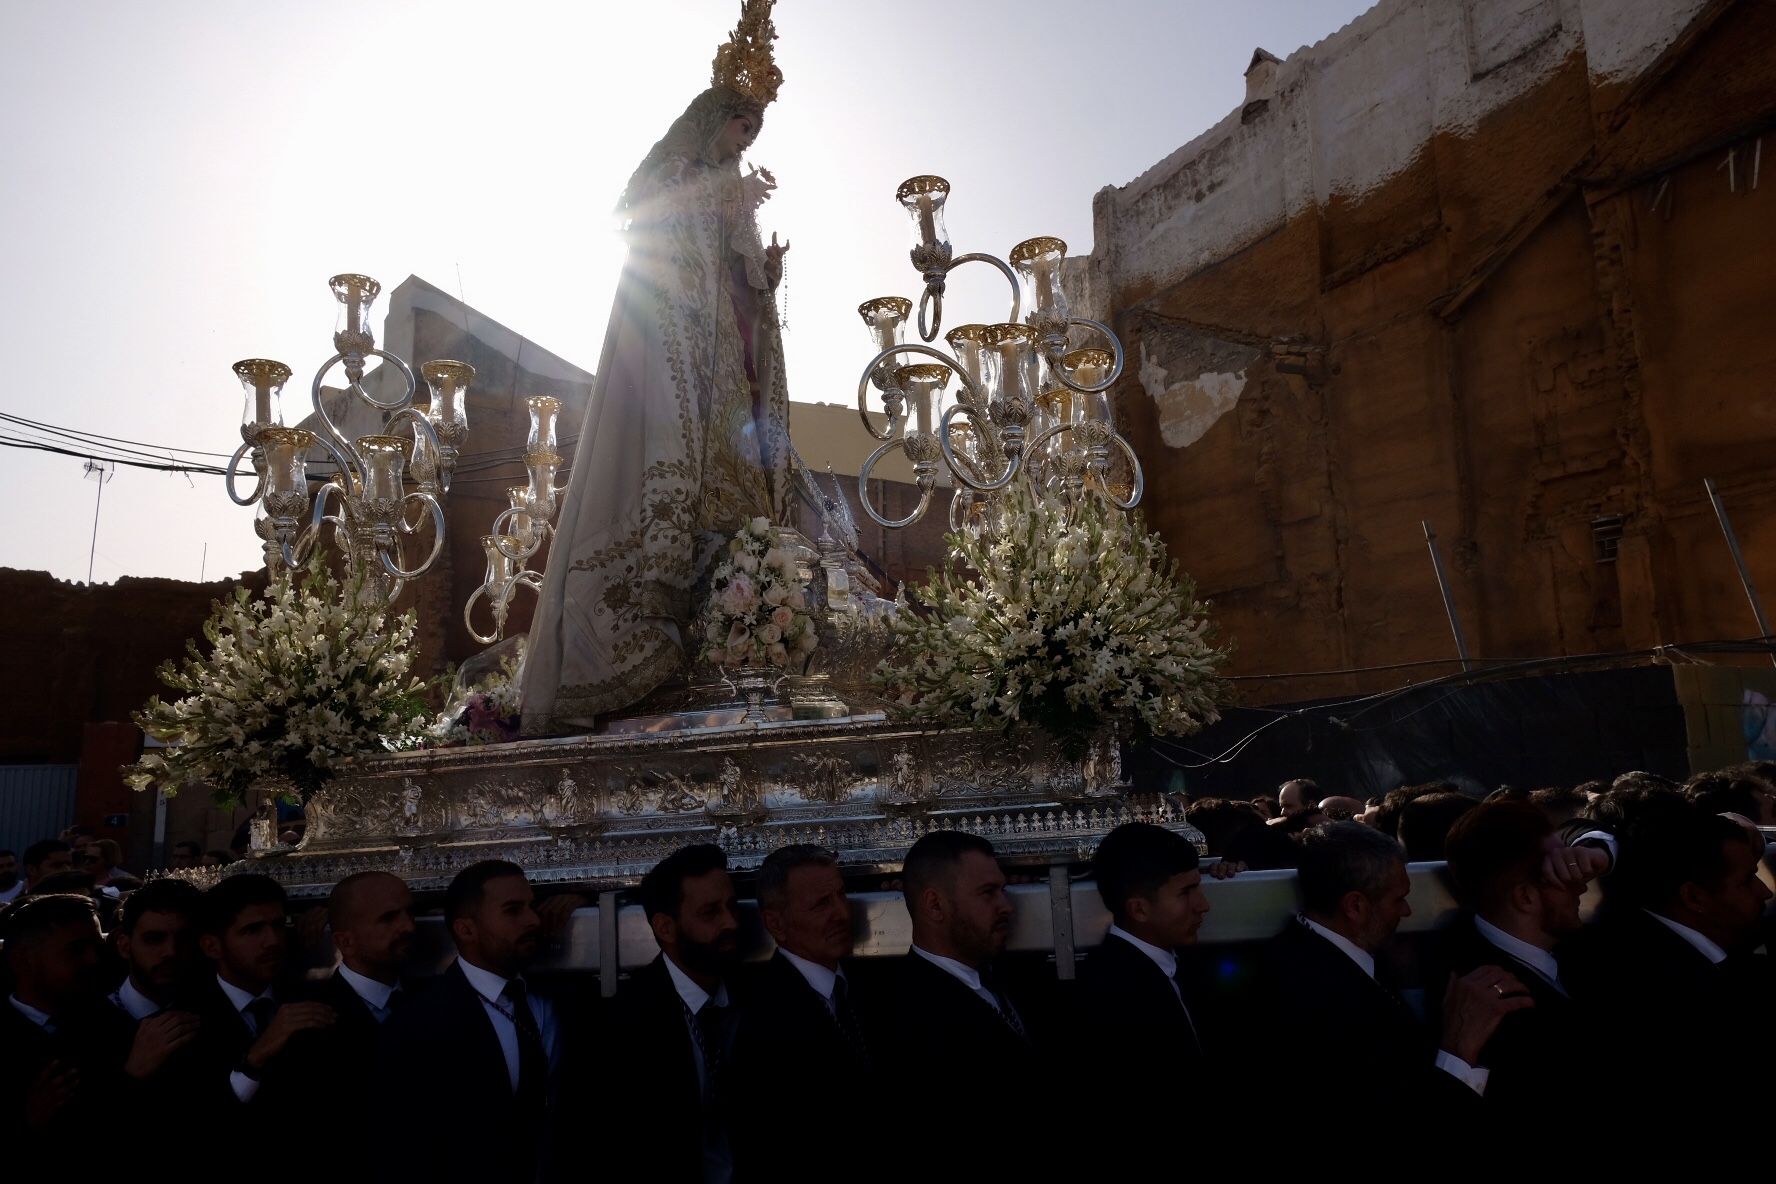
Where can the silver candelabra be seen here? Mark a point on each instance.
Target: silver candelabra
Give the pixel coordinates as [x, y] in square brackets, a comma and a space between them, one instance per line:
[1032, 404]
[366, 502]
[521, 529]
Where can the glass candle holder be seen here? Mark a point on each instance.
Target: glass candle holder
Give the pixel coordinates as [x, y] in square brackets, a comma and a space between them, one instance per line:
[885, 318]
[923, 198]
[1015, 371]
[1038, 263]
[544, 467]
[519, 498]
[543, 413]
[500, 566]
[286, 471]
[969, 345]
[385, 460]
[351, 331]
[263, 381]
[448, 381]
[924, 386]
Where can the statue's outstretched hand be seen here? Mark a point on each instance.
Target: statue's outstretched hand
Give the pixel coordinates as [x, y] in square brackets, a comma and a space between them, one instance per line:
[756, 187]
[774, 254]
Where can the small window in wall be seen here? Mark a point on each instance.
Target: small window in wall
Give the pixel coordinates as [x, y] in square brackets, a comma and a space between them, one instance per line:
[1606, 535]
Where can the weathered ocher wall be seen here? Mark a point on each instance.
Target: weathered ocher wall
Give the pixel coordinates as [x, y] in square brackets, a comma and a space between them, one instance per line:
[1474, 263]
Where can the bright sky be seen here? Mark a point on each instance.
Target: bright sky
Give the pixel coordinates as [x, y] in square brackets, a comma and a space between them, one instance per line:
[178, 178]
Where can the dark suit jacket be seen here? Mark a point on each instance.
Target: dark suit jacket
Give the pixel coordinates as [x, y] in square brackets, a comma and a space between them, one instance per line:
[200, 1076]
[1681, 1028]
[1134, 1042]
[1530, 1054]
[94, 1042]
[792, 1058]
[446, 1108]
[1336, 1035]
[651, 1087]
[950, 1044]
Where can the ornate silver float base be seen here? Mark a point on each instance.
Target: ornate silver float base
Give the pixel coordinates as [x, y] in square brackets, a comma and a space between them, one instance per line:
[599, 810]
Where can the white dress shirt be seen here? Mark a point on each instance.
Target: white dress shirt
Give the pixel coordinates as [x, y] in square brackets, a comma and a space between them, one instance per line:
[244, 1087]
[1703, 945]
[823, 981]
[376, 995]
[1469, 1075]
[1167, 961]
[966, 975]
[1534, 957]
[40, 1018]
[132, 1002]
[491, 987]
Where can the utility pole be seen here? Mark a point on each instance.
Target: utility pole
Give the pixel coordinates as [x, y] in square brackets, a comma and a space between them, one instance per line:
[101, 471]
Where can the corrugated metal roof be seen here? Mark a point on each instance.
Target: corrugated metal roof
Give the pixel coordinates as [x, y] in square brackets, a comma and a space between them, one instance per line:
[36, 802]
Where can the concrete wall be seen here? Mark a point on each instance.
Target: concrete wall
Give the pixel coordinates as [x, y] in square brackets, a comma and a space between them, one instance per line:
[1478, 263]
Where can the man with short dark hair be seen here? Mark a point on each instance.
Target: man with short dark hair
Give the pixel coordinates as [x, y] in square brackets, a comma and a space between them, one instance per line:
[1672, 971]
[45, 858]
[956, 1026]
[677, 1025]
[480, 1046]
[1517, 918]
[253, 1022]
[156, 937]
[186, 853]
[804, 1010]
[61, 1044]
[1339, 1031]
[1724, 793]
[12, 885]
[1142, 1010]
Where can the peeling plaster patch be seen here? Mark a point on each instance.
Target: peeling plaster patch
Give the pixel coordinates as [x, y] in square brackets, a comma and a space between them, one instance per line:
[1188, 409]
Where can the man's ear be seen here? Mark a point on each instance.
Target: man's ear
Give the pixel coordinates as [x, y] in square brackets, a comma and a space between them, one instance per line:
[773, 920]
[462, 929]
[665, 929]
[211, 946]
[1695, 897]
[1138, 909]
[1353, 907]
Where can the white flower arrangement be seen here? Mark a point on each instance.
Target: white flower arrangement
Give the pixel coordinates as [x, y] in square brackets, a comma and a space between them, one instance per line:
[1073, 626]
[294, 681]
[757, 614]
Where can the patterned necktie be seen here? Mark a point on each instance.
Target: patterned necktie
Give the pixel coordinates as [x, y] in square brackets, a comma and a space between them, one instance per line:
[260, 1012]
[1007, 1012]
[846, 1017]
[533, 1058]
[710, 1025]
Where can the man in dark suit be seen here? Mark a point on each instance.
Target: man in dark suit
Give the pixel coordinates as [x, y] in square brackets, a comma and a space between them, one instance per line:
[156, 939]
[468, 1071]
[253, 1021]
[1518, 915]
[804, 1010]
[1141, 1032]
[370, 916]
[1672, 976]
[955, 1026]
[1332, 1029]
[672, 1039]
[61, 1044]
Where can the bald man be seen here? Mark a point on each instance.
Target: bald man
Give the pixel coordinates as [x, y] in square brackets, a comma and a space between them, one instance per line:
[370, 916]
[1297, 796]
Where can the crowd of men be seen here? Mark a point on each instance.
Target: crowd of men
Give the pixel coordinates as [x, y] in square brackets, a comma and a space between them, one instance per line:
[1516, 1030]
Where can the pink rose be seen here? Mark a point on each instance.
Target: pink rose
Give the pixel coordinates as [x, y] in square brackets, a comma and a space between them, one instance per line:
[770, 634]
[777, 653]
[781, 616]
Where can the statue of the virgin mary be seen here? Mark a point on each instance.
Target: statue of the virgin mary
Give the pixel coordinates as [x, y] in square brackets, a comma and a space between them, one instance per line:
[686, 432]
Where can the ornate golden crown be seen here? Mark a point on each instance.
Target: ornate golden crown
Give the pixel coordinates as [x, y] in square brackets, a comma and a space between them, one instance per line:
[745, 64]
